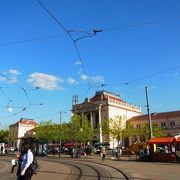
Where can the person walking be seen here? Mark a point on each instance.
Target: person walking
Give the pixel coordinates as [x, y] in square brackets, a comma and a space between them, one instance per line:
[25, 159]
[103, 153]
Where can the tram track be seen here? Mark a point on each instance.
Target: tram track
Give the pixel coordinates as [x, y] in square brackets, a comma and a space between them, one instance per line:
[91, 170]
[69, 169]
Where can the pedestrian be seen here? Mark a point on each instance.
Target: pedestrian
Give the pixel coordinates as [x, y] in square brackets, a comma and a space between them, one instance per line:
[119, 153]
[103, 153]
[2, 148]
[25, 159]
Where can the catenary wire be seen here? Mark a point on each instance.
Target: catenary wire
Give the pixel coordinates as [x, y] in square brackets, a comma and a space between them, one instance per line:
[88, 31]
[70, 36]
[30, 40]
[152, 75]
[142, 24]
[20, 87]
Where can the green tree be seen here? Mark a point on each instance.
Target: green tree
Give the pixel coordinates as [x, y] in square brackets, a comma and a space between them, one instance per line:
[129, 131]
[144, 131]
[49, 131]
[44, 131]
[80, 129]
[114, 127]
[4, 136]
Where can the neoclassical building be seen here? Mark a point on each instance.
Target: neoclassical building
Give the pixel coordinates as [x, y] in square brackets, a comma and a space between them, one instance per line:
[19, 129]
[104, 105]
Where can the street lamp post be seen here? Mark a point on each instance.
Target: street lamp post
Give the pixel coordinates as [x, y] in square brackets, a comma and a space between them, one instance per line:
[149, 115]
[60, 130]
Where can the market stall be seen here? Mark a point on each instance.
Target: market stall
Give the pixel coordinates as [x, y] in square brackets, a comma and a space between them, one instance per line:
[178, 149]
[162, 148]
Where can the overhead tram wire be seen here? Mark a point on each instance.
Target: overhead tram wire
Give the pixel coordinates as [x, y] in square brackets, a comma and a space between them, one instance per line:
[141, 78]
[95, 31]
[20, 87]
[142, 24]
[5, 95]
[33, 40]
[152, 75]
[70, 36]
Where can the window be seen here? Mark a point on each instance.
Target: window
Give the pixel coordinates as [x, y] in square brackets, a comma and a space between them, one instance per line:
[138, 126]
[163, 124]
[154, 124]
[172, 124]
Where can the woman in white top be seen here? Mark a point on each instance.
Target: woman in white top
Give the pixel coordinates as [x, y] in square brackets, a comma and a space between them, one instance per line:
[25, 161]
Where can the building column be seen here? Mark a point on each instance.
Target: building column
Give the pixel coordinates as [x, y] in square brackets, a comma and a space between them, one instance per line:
[82, 115]
[100, 129]
[91, 119]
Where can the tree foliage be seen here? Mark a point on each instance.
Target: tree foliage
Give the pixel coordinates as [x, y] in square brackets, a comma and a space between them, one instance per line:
[129, 131]
[144, 131]
[80, 129]
[45, 131]
[114, 127]
[4, 136]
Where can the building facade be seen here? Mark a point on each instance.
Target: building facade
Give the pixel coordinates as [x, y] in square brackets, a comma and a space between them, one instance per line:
[168, 121]
[19, 129]
[104, 105]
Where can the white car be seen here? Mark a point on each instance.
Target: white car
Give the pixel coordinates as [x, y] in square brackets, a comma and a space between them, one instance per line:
[12, 149]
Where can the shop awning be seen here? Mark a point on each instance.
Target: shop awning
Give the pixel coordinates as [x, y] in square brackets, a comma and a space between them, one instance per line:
[71, 144]
[161, 140]
[178, 140]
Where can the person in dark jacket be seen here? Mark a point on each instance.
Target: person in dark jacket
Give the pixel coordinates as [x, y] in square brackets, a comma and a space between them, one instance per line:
[25, 159]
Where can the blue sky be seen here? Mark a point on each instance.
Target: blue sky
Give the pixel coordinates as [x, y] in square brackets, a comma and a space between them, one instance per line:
[139, 39]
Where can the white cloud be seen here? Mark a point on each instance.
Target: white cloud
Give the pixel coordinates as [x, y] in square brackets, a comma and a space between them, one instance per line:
[45, 81]
[14, 72]
[11, 75]
[78, 63]
[3, 79]
[71, 81]
[98, 79]
[95, 79]
[84, 77]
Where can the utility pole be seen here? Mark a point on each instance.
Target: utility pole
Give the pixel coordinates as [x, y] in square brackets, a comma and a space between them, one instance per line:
[60, 131]
[149, 115]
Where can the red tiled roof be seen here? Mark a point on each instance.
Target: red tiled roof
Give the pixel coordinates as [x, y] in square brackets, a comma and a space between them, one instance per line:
[24, 121]
[154, 116]
[161, 140]
[31, 122]
[99, 97]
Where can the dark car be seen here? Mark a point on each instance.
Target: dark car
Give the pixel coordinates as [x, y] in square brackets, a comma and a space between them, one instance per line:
[54, 151]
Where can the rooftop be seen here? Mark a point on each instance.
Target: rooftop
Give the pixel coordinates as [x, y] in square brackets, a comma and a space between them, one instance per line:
[154, 116]
[24, 121]
[108, 92]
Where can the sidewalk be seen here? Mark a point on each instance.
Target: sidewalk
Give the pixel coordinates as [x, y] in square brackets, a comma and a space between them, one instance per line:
[136, 169]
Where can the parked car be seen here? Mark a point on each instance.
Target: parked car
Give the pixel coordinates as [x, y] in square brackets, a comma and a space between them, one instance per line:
[54, 151]
[12, 149]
